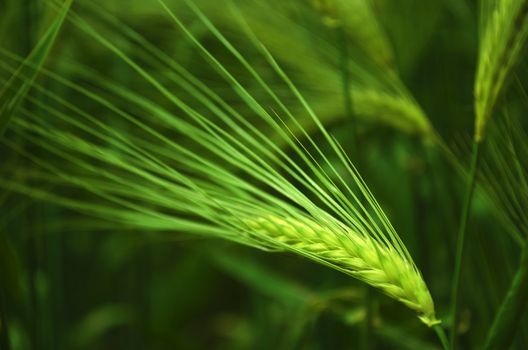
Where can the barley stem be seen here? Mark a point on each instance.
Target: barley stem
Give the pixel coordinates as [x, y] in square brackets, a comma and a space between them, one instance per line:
[461, 240]
[441, 336]
[512, 309]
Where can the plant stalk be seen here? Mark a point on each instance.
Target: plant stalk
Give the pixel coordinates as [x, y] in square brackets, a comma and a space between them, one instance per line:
[461, 240]
[513, 307]
[441, 336]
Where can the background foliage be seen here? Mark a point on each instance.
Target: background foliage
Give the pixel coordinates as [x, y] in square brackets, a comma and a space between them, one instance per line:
[70, 281]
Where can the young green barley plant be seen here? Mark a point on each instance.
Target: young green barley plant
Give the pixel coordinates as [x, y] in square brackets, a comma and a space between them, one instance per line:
[503, 34]
[196, 165]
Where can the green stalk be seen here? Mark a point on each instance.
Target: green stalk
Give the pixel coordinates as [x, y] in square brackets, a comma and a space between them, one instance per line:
[441, 336]
[512, 309]
[461, 240]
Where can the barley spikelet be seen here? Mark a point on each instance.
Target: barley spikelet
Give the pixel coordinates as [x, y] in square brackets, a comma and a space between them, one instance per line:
[355, 254]
[504, 34]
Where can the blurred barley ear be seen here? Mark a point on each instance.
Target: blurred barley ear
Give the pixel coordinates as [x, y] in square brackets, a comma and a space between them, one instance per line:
[504, 30]
[378, 93]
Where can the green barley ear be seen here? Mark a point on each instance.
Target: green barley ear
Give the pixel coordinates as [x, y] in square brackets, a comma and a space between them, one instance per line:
[504, 30]
[188, 162]
[356, 255]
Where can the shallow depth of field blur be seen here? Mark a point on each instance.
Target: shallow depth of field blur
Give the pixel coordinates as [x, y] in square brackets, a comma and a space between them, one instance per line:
[71, 281]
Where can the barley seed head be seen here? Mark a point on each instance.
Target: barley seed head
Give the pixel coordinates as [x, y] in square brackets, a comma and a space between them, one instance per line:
[354, 253]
